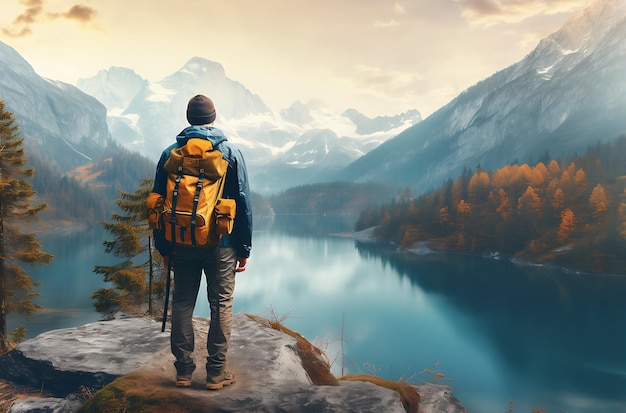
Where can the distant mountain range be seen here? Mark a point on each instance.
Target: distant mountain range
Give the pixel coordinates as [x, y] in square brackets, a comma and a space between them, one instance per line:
[303, 143]
[567, 94]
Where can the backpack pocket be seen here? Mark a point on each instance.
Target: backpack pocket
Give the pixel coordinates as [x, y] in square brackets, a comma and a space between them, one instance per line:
[154, 207]
[183, 231]
[225, 211]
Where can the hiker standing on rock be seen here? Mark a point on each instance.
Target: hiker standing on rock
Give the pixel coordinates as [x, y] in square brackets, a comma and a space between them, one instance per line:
[179, 235]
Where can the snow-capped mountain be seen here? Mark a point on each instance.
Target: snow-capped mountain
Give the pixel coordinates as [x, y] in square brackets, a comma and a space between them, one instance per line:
[567, 94]
[298, 144]
[57, 120]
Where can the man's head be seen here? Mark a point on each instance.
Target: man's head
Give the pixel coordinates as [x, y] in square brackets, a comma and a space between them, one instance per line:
[200, 110]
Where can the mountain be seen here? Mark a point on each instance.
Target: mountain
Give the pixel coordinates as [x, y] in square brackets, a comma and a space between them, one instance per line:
[567, 94]
[301, 144]
[58, 121]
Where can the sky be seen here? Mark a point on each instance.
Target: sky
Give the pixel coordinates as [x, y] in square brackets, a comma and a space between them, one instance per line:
[381, 57]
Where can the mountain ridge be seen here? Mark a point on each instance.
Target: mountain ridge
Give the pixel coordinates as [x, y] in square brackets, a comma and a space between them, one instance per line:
[60, 123]
[554, 100]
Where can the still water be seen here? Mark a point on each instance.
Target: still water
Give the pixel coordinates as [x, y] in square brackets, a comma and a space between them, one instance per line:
[497, 332]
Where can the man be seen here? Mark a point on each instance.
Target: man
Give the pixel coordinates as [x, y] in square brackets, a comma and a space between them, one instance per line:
[218, 263]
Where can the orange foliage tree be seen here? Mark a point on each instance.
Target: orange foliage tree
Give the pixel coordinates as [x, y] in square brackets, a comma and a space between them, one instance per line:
[567, 225]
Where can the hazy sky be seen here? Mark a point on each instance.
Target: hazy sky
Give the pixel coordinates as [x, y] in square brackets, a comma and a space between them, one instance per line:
[381, 57]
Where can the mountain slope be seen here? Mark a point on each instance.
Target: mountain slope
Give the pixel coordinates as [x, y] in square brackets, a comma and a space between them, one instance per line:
[565, 95]
[58, 121]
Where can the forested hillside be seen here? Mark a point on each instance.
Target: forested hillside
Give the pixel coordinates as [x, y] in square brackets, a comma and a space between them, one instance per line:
[571, 213]
[333, 198]
[87, 195]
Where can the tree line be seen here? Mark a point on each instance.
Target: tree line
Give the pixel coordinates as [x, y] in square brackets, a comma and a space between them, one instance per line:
[16, 246]
[571, 213]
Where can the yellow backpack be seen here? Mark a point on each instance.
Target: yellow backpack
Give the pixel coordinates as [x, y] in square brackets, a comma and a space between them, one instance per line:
[193, 212]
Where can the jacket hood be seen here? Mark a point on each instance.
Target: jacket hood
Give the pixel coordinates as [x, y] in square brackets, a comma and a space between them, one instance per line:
[210, 133]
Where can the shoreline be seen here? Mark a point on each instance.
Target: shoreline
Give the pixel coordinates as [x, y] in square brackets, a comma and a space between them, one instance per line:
[423, 248]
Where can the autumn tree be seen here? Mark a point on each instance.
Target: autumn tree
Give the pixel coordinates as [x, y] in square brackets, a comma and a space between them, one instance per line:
[478, 187]
[464, 210]
[131, 280]
[599, 202]
[554, 168]
[503, 208]
[502, 177]
[16, 286]
[567, 225]
[529, 204]
[444, 218]
[557, 199]
[580, 182]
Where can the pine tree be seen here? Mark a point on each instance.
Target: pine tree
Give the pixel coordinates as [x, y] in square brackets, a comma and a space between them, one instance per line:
[16, 286]
[132, 282]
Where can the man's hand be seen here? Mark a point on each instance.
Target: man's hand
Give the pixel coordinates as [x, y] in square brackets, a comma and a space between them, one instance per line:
[241, 264]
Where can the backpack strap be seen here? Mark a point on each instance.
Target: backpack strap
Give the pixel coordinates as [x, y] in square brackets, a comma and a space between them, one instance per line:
[174, 201]
[194, 210]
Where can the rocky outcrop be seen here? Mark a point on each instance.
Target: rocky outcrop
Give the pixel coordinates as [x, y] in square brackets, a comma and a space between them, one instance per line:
[74, 363]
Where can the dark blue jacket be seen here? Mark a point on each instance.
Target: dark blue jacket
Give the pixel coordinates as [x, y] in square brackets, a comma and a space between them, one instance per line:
[235, 187]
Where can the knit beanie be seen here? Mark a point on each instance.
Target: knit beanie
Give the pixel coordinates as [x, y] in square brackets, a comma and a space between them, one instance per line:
[200, 110]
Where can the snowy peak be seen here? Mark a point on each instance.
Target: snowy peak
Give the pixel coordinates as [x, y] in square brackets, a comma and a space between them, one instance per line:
[303, 113]
[587, 27]
[115, 87]
[366, 126]
[310, 137]
[202, 76]
[199, 67]
[580, 35]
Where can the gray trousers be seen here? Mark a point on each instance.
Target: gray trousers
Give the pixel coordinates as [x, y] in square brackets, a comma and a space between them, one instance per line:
[189, 263]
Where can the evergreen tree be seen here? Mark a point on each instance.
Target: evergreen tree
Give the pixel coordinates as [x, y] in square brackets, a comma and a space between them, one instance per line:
[131, 289]
[16, 286]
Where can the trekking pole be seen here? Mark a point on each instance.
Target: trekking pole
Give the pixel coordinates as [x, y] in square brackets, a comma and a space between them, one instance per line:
[167, 292]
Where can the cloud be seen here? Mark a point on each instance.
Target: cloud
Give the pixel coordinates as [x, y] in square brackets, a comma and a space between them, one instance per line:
[78, 12]
[490, 12]
[390, 23]
[385, 83]
[20, 26]
[34, 14]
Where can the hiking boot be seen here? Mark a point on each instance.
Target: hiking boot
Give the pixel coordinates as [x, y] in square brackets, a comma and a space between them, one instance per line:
[183, 381]
[223, 380]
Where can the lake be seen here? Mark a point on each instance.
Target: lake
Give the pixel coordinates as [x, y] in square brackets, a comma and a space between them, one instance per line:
[496, 331]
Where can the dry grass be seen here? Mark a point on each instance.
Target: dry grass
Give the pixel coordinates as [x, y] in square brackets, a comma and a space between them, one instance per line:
[408, 395]
[313, 359]
[84, 173]
[9, 393]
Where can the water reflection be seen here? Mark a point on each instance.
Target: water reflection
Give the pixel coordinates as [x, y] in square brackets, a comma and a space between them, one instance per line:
[68, 281]
[552, 331]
